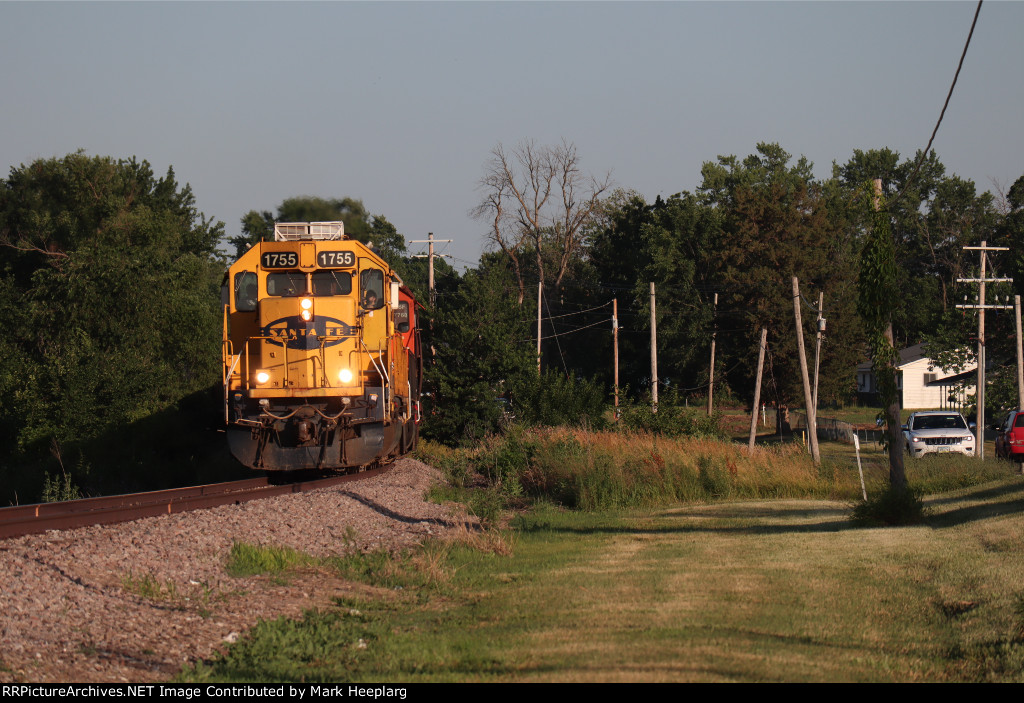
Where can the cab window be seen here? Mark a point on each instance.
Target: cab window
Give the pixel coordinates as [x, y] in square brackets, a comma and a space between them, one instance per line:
[245, 291]
[332, 283]
[402, 316]
[371, 289]
[286, 284]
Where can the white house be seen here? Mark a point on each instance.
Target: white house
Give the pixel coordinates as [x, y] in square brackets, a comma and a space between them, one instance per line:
[922, 384]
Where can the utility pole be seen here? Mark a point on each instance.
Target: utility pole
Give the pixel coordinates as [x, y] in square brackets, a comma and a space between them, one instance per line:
[1020, 356]
[711, 372]
[820, 325]
[540, 291]
[757, 390]
[979, 395]
[429, 241]
[654, 355]
[812, 425]
[615, 343]
[892, 411]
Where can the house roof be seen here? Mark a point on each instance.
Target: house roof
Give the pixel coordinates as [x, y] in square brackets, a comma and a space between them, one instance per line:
[907, 356]
[914, 354]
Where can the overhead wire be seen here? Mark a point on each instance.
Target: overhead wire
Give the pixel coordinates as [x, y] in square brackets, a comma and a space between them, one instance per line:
[578, 329]
[581, 312]
[924, 154]
[544, 297]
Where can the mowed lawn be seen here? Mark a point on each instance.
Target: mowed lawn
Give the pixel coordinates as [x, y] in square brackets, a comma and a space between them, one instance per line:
[782, 590]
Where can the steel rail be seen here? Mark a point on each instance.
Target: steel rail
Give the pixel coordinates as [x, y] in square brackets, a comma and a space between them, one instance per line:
[19, 520]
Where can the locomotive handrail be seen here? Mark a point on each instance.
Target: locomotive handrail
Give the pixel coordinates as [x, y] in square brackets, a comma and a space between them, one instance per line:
[226, 352]
[227, 381]
[383, 375]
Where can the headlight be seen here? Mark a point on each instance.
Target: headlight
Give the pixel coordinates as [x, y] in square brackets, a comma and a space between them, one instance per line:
[306, 303]
[262, 377]
[306, 315]
[916, 439]
[345, 376]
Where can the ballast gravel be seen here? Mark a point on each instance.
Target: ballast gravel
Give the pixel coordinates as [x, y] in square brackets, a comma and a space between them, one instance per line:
[134, 602]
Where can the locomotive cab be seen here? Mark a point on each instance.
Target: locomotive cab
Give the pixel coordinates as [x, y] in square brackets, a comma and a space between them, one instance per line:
[321, 369]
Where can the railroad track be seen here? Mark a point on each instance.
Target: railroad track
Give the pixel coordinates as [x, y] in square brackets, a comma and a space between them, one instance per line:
[31, 519]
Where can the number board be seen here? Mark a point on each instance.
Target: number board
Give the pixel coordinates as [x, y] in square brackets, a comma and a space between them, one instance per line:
[335, 259]
[279, 259]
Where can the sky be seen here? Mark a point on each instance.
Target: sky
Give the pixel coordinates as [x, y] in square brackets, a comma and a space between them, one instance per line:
[400, 104]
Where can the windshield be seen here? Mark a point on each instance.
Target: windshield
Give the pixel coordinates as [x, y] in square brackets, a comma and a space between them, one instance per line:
[939, 422]
[332, 283]
[286, 284]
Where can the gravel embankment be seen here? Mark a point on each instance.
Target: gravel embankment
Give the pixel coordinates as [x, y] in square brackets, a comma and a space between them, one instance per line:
[66, 615]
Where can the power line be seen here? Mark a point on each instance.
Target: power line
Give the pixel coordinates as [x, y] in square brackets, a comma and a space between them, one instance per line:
[924, 154]
[557, 341]
[581, 312]
[578, 329]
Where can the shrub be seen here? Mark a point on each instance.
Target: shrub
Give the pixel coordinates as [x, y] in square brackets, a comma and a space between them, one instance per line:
[672, 420]
[554, 399]
[890, 508]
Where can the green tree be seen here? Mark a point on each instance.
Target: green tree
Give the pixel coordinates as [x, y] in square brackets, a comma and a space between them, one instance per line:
[483, 351]
[671, 243]
[109, 277]
[878, 285]
[931, 219]
[776, 224]
[256, 227]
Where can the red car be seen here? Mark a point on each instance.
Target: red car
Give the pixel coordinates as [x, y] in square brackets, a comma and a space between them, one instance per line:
[1010, 436]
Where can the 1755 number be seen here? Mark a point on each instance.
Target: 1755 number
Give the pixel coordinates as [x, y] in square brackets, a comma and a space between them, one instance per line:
[335, 259]
[279, 259]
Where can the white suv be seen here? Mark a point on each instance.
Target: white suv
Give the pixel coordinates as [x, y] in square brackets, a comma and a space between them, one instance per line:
[937, 432]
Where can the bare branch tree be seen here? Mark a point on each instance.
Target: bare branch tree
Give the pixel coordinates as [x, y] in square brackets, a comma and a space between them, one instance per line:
[521, 190]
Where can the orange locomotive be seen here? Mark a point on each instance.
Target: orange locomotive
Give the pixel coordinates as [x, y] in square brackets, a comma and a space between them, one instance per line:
[322, 362]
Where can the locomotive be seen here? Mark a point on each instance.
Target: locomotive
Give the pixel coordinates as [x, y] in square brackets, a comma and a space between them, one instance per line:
[321, 353]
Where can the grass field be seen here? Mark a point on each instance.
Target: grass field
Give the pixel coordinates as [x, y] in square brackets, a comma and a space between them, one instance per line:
[762, 590]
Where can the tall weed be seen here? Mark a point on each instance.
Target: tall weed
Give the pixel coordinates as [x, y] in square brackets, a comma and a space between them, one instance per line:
[597, 470]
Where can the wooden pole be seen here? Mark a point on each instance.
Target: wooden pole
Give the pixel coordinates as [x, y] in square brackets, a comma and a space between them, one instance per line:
[1020, 356]
[817, 347]
[897, 474]
[540, 290]
[711, 370]
[430, 242]
[980, 393]
[757, 390]
[615, 341]
[430, 266]
[654, 355]
[812, 427]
